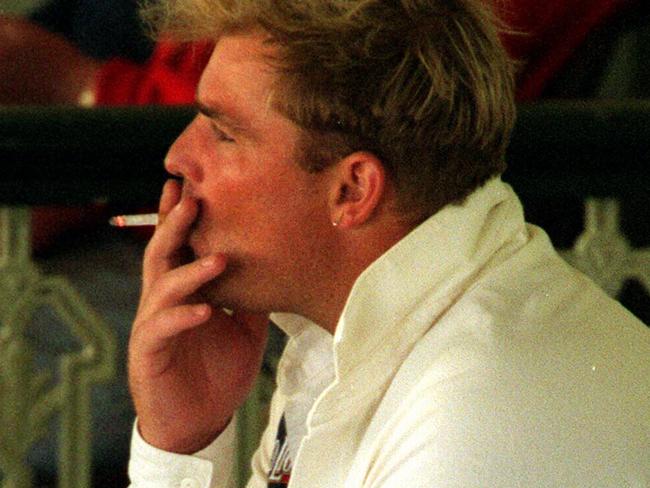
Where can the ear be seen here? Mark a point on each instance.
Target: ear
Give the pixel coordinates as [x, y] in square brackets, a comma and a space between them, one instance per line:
[359, 186]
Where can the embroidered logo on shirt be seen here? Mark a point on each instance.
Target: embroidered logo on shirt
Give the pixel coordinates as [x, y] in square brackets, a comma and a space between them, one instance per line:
[281, 462]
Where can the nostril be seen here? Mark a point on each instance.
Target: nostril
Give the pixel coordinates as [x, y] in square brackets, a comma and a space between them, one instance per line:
[172, 168]
[186, 172]
[175, 174]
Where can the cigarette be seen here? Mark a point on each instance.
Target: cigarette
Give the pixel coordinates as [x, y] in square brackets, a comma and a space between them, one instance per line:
[134, 220]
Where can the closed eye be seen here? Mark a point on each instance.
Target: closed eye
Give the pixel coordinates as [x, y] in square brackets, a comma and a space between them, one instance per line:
[220, 135]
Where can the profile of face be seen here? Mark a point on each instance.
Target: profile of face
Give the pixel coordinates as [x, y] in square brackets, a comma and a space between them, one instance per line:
[239, 159]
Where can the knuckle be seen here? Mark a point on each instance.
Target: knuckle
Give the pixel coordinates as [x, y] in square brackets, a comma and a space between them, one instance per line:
[166, 286]
[150, 250]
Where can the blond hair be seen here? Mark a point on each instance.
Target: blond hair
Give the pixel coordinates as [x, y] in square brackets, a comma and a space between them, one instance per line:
[423, 84]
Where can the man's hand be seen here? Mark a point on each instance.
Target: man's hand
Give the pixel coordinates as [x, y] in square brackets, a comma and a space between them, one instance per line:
[190, 365]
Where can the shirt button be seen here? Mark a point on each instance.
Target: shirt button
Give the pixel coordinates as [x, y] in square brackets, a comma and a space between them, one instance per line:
[190, 483]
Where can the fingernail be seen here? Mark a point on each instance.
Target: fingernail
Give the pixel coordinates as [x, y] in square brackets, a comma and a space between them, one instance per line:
[201, 310]
[208, 262]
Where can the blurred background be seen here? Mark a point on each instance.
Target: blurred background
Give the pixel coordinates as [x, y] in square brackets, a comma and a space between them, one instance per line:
[88, 105]
[20, 7]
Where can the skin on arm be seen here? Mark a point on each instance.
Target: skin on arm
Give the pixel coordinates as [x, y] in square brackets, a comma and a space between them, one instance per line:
[191, 365]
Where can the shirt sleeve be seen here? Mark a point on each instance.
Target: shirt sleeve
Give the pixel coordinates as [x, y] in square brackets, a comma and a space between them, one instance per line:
[211, 467]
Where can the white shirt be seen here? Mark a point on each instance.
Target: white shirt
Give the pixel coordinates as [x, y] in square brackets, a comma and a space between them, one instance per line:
[469, 355]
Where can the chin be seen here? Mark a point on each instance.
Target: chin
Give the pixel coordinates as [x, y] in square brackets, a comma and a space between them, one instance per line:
[230, 294]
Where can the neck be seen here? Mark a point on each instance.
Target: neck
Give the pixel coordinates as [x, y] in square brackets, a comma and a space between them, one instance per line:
[358, 250]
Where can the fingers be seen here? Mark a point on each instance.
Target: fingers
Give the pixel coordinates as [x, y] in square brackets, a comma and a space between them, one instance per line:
[165, 249]
[166, 309]
[172, 233]
[151, 339]
[180, 283]
[171, 195]
[170, 322]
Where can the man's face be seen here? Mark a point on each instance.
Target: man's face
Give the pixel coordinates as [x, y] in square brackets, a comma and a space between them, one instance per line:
[239, 159]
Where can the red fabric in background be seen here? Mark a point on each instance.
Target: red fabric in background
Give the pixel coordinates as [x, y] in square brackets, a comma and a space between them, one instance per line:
[548, 34]
[169, 77]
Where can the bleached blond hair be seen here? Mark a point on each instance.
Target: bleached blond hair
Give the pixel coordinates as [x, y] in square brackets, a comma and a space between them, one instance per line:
[423, 84]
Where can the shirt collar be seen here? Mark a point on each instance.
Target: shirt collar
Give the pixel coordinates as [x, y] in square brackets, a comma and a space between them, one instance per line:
[430, 266]
[433, 264]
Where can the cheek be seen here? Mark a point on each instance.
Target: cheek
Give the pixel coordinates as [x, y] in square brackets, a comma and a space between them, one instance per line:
[240, 211]
[255, 199]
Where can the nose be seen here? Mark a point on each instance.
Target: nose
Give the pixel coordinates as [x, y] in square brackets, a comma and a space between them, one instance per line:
[182, 159]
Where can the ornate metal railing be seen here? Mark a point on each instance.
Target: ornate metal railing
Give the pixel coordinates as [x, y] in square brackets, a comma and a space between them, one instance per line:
[579, 167]
[29, 397]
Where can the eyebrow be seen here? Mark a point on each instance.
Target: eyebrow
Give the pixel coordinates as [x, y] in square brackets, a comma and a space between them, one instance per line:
[221, 117]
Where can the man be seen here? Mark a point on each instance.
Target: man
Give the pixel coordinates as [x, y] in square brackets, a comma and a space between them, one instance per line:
[343, 169]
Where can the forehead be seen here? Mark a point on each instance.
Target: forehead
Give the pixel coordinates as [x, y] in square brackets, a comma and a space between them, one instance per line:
[238, 75]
